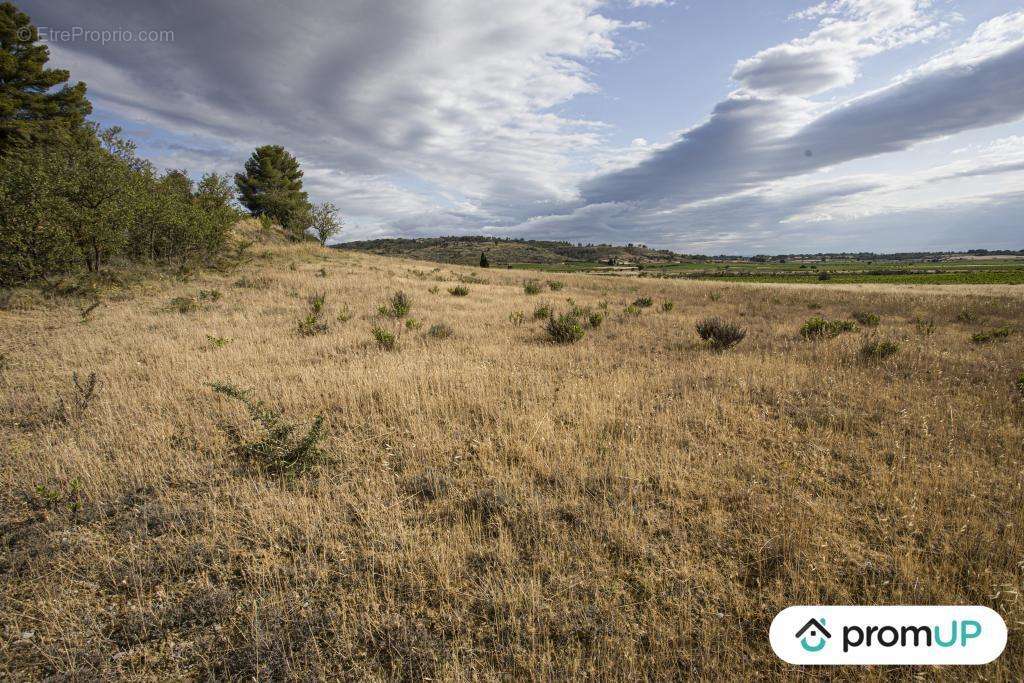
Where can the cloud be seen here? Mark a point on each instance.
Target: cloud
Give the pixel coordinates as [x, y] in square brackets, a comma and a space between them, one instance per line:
[751, 139]
[848, 31]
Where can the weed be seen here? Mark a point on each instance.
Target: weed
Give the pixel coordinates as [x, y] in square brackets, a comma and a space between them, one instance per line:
[542, 312]
[440, 331]
[819, 328]
[385, 340]
[714, 296]
[313, 322]
[720, 335]
[877, 349]
[644, 302]
[925, 328]
[345, 315]
[257, 282]
[667, 306]
[413, 324]
[556, 285]
[209, 295]
[459, 290]
[217, 342]
[814, 306]
[1019, 385]
[595, 319]
[73, 408]
[516, 318]
[564, 329]
[398, 305]
[531, 287]
[433, 289]
[632, 310]
[277, 452]
[866, 319]
[991, 335]
[322, 272]
[966, 316]
[87, 311]
[184, 304]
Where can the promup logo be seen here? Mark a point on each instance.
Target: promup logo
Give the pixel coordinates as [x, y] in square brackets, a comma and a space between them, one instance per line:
[817, 630]
[888, 635]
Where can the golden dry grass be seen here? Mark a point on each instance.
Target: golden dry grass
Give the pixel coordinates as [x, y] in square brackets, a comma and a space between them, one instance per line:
[495, 506]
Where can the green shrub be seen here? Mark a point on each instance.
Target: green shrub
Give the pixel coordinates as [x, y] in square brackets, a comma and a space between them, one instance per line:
[631, 310]
[413, 324]
[184, 304]
[542, 312]
[440, 331]
[1019, 385]
[217, 342]
[644, 302]
[277, 451]
[556, 285]
[459, 290]
[818, 328]
[720, 335]
[877, 349]
[823, 276]
[516, 318]
[531, 287]
[667, 306]
[257, 282]
[925, 328]
[866, 319]
[398, 305]
[991, 335]
[564, 329]
[345, 315]
[966, 316]
[313, 321]
[385, 340]
[595, 319]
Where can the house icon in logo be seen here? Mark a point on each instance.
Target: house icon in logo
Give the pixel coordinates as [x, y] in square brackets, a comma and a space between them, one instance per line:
[814, 629]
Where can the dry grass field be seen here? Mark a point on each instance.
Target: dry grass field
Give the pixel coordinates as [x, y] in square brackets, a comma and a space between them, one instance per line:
[490, 505]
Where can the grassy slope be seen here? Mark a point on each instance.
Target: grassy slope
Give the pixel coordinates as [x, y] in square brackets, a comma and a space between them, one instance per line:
[495, 506]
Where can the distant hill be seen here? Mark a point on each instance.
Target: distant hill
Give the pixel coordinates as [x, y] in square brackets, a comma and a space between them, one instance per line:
[466, 251]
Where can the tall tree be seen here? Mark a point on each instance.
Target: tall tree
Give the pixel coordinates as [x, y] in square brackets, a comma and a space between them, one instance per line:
[30, 107]
[272, 186]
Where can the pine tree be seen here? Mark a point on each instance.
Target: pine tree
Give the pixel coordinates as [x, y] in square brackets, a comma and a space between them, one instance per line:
[484, 263]
[30, 108]
[272, 186]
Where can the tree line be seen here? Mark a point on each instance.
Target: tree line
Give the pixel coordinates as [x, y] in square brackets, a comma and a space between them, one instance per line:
[75, 196]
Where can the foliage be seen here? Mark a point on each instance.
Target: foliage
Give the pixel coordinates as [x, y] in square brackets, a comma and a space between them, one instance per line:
[542, 312]
[667, 306]
[277, 452]
[819, 328]
[555, 285]
[271, 185]
[925, 327]
[459, 290]
[876, 349]
[324, 222]
[314, 322]
[720, 335]
[531, 287]
[484, 263]
[516, 318]
[866, 319]
[595, 319]
[644, 302]
[440, 331]
[385, 340]
[564, 329]
[32, 107]
[991, 335]
[398, 305]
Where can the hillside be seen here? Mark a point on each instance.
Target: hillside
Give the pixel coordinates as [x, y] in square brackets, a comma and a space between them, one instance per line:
[501, 252]
[479, 503]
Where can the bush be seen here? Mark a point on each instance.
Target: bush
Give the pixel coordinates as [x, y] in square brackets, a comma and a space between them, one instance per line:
[516, 318]
[875, 349]
[966, 316]
[564, 329]
[313, 322]
[385, 340]
[595, 319]
[631, 310]
[459, 290]
[413, 324]
[209, 295]
[823, 276]
[925, 328]
[1019, 385]
[440, 331]
[542, 312]
[667, 306]
[258, 282]
[644, 302]
[818, 328]
[719, 334]
[74, 407]
[556, 285]
[277, 452]
[866, 319]
[184, 304]
[398, 305]
[991, 335]
[531, 287]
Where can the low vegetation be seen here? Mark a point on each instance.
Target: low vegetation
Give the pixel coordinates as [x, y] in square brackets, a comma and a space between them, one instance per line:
[720, 335]
[877, 349]
[820, 328]
[564, 328]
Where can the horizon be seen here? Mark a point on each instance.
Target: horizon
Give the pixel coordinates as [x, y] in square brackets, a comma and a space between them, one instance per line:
[758, 128]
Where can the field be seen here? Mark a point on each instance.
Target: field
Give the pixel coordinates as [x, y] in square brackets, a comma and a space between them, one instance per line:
[489, 505]
[953, 271]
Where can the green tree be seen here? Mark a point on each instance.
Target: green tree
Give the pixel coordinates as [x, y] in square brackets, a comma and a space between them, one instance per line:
[30, 107]
[325, 222]
[484, 263]
[272, 186]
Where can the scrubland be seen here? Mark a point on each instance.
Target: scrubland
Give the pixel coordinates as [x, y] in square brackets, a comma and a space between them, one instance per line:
[485, 504]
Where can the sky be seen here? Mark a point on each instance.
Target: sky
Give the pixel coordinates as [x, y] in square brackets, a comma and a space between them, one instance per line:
[740, 127]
